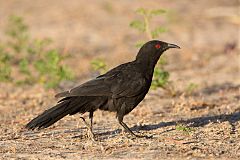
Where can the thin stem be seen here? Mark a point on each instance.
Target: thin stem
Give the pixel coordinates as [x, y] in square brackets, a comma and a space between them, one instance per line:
[147, 26]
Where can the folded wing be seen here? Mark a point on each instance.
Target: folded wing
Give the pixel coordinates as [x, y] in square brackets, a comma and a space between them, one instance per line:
[118, 84]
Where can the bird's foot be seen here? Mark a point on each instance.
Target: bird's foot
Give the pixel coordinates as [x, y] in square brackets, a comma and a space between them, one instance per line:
[90, 134]
[137, 135]
[127, 129]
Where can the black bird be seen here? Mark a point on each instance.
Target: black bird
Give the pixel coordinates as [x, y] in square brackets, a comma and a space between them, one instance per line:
[119, 90]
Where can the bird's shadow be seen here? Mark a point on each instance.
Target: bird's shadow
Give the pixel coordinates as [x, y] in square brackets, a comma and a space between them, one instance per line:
[216, 88]
[193, 122]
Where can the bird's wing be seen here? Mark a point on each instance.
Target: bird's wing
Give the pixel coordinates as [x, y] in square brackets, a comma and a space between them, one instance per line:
[117, 84]
[128, 84]
[95, 87]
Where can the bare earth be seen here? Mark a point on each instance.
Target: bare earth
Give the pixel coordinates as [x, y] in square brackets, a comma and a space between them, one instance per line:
[207, 31]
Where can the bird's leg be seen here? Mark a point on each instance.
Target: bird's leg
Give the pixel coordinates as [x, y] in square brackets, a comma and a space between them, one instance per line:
[86, 124]
[120, 120]
[91, 121]
[89, 127]
[127, 129]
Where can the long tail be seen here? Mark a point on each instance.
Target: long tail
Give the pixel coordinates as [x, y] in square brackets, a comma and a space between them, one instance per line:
[51, 115]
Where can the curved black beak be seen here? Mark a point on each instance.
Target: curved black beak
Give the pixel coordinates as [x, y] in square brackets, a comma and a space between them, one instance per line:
[173, 46]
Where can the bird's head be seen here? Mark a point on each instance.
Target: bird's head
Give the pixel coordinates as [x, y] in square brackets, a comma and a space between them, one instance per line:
[152, 50]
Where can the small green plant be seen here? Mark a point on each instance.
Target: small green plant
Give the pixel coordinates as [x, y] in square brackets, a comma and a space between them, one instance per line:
[5, 68]
[160, 78]
[144, 26]
[18, 36]
[191, 88]
[50, 70]
[32, 59]
[184, 128]
[99, 65]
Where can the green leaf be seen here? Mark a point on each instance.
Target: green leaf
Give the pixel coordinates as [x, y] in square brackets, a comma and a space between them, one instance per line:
[191, 88]
[5, 72]
[37, 46]
[139, 44]
[139, 25]
[65, 73]
[142, 11]
[160, 78]
[23, 66]
[52, 57]
[17, 32]
[22, 53]
[162, 61]
[157, 12]
[155, 33]
[51, 83]
[16, 26]
[5, 67]
[40, 66]
[4, 56]
[99, 65]
[184, 128]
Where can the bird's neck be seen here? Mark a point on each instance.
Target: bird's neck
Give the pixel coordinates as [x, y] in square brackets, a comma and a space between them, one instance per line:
[147, 65]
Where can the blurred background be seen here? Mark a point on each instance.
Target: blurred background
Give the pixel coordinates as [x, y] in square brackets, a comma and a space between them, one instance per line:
[100, 29]
[48, 46]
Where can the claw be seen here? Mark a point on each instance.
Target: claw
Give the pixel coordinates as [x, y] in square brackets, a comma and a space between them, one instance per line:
[90, 132]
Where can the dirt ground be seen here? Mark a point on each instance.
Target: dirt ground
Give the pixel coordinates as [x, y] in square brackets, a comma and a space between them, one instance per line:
[208, 33]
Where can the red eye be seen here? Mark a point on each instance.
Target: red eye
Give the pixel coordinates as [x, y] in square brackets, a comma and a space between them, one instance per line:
[157, 46]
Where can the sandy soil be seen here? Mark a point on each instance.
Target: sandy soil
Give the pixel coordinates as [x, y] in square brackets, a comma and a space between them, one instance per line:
[209, 37]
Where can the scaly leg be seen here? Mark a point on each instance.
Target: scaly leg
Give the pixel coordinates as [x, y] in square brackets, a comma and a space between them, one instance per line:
[91, 120]
[89, 127]
[120, 120]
